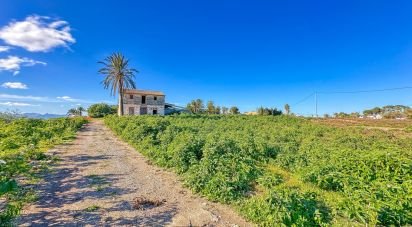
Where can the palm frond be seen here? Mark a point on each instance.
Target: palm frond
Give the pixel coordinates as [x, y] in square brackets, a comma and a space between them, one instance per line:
[118, 74]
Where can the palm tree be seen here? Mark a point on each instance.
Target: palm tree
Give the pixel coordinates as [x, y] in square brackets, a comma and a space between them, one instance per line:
[119, 76]
[80, 110]
[72, 112]
[287, 109]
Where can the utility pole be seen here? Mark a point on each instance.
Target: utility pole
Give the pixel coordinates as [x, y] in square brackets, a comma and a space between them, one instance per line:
[316, 103]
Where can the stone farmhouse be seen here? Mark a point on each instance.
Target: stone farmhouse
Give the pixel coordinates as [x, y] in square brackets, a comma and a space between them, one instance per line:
[143, 102]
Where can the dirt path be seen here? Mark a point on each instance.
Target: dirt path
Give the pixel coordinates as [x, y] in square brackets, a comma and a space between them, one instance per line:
[98, 179]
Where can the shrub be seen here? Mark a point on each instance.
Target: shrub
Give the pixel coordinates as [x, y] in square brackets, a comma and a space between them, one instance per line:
[324, 175]
[101, 110]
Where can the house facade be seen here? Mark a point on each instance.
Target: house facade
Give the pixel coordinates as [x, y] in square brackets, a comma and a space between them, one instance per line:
[143, 102]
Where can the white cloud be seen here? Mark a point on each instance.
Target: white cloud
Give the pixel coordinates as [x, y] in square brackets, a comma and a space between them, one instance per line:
[16, 104]
[14, 63]
[37, 33]
[60, 99]
[66, 98]
[14, 85]
[4, 48]
[8, 97]
[70, 99]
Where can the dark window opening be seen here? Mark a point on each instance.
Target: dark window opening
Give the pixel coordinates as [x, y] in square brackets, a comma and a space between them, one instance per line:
[155, 98]
[143, 99]
[154, 112]
[131, 96]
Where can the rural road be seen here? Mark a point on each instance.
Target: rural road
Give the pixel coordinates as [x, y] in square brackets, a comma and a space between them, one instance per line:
[100, 180]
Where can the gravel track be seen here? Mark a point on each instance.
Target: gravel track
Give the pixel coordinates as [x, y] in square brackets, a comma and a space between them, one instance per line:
[98, 180]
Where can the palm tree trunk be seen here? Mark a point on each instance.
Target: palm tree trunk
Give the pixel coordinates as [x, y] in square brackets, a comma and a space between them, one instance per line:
[121, 111]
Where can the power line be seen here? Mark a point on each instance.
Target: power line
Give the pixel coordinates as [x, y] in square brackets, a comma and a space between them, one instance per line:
[364, 91]
[347, 92]
[304, 99]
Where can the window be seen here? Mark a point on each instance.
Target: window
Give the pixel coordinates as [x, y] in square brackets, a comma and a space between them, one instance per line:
[131, 96]
[155, 98]
[131, 110]
[154, 111]
[143, 99]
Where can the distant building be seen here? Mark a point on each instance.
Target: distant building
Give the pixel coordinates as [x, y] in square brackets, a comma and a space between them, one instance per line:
[251, 113]
[143, 102]
[375, 116]
[175, 109]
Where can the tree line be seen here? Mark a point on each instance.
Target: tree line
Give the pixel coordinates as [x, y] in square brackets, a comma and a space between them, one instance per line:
[388, 112]
[197, 106]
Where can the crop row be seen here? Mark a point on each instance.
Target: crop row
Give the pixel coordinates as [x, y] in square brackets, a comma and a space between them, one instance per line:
[282, 170]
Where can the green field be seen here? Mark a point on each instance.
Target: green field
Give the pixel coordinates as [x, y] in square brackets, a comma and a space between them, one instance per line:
[283, 170]
[22, 143]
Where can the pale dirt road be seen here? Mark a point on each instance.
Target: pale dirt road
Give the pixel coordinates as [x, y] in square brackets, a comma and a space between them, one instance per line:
[97, 179]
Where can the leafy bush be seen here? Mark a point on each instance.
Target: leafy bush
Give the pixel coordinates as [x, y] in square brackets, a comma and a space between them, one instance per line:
[101, 110]
[282, 170]
[287, 206]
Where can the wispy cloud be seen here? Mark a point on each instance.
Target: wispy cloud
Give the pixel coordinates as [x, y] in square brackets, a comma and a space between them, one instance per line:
[70, 99]
[14, 85]
[4, 48]
[66, 98]
[24, 97]
[59, 99]
[37, 33]
[14, 63]
[20, 104]
[62, 100]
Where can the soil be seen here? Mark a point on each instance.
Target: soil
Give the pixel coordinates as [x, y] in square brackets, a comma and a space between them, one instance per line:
[100, 180]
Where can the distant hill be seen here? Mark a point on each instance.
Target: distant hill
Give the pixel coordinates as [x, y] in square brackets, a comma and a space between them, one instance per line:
[42, 116]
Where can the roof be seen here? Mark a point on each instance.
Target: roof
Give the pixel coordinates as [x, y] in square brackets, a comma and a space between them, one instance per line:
[143, 92]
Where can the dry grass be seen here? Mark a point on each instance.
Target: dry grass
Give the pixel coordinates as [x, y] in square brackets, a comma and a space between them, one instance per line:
[141, 203]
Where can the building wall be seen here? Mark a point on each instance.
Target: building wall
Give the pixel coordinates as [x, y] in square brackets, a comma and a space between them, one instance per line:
[151, 104]
[137, 108]
[137, 99]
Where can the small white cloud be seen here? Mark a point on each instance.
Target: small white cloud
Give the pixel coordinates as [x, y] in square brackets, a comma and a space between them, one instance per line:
[37, 33]
[66, 98]
[14, 85]
[14, 63]
[16, 104]
[4, 48]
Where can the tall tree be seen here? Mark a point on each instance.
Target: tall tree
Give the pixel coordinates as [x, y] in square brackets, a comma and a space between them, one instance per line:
[199, 105]
[118, 76]
[72, 112]
[211, 109]
[195, 106]
[217, 110]
[287, 109]
[225, 110]
[234, 110]
[260, 111]
[80, 110]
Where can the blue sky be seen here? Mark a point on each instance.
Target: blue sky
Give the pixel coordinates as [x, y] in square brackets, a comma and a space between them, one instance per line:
[243, 53]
